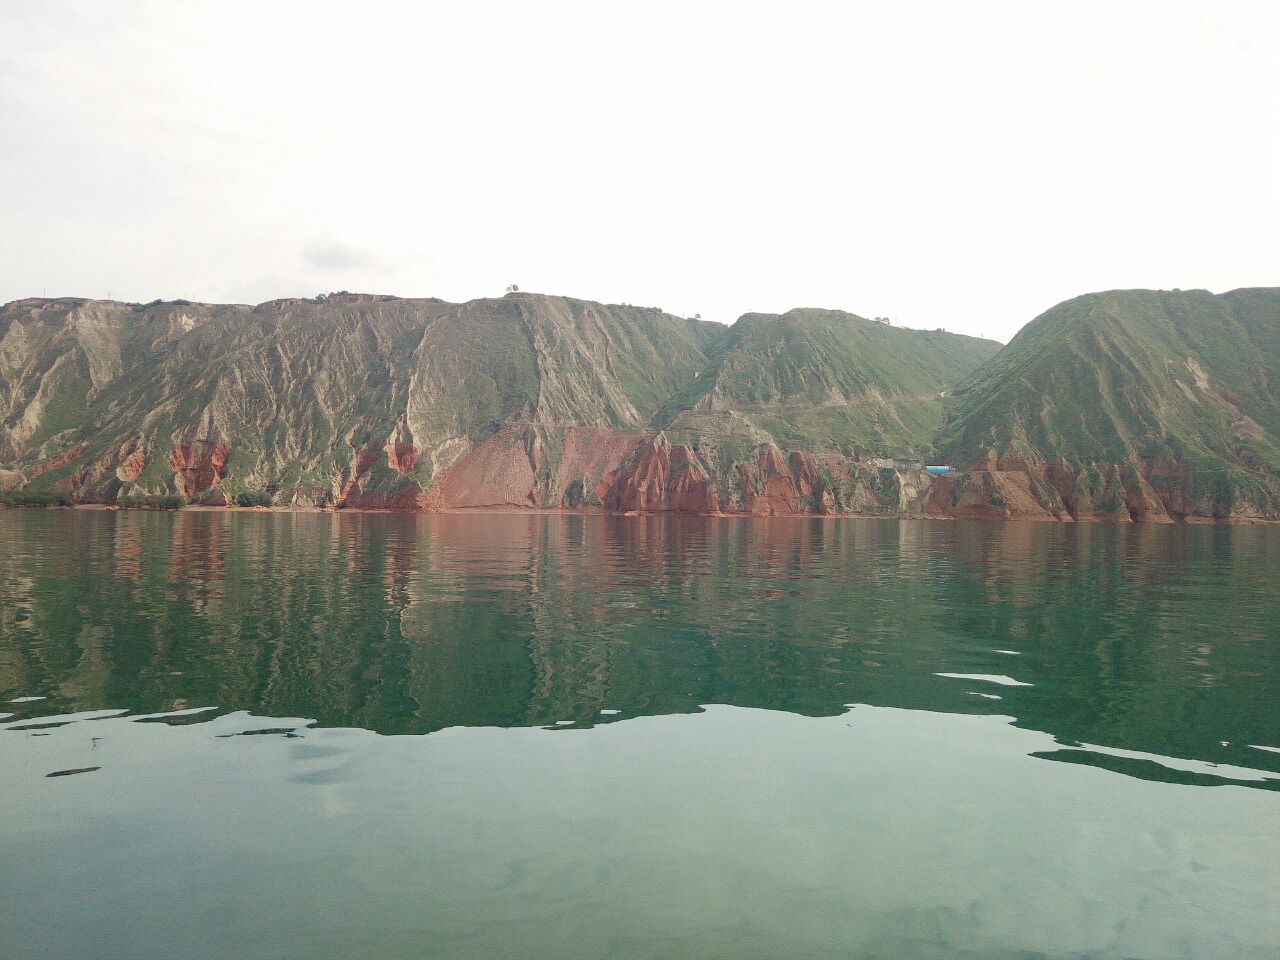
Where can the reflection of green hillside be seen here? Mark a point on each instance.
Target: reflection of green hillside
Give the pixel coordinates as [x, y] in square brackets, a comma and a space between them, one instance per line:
[1150, 639]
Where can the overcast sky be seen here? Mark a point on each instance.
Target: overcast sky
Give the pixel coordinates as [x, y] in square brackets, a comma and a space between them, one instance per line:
[964, 165]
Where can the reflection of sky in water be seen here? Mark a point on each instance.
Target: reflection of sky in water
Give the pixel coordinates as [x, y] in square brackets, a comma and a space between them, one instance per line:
[1000, 679]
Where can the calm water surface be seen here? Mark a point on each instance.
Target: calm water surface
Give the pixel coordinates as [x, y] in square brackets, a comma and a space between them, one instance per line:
[350, 736]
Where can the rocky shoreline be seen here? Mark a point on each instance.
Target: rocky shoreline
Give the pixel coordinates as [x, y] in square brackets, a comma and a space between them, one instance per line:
[590, 512]
[596, 470]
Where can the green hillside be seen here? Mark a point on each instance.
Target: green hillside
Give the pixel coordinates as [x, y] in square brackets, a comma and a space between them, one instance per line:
[824, 379]
[1136, 377]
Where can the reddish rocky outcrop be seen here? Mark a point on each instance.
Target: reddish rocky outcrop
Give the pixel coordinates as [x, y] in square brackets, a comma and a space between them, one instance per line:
[499, 473]
[408, 497]
[602, 469]
[804, 469]
[617, 471]
[402, 453]
[772, 487]
[517, 468]
[349, 490]
[590, 455]
[199, 465]
[41, 467]
[640, 486]
[689, 486]
[599, 469]
[1011, 487]
[131, 467]
[988, 495]
[661, 478]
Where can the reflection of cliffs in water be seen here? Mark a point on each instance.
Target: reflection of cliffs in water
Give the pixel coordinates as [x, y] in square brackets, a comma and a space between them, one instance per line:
[1143, 638]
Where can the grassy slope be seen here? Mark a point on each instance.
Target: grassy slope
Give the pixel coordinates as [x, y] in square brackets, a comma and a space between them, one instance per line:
[1133, 375]
[824, 379]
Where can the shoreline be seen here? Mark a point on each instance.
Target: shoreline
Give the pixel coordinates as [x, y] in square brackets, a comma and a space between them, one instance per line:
[1198, 521]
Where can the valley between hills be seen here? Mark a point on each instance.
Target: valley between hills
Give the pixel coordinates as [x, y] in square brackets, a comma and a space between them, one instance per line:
[1138, 405]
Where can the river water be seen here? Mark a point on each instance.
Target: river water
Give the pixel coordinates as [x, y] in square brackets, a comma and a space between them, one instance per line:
[280, 735]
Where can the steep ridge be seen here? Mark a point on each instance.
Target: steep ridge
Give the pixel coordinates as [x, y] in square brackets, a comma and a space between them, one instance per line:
[1126, 405]
[343, 400]
[203, 401]
[1132, 405]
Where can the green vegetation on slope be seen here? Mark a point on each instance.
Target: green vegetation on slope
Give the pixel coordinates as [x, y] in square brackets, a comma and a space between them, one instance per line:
[824, 379]
[1135, 376]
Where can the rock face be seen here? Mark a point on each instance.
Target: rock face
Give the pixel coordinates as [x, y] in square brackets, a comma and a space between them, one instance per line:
[346, 400]
[1133, 406]
[619, 471]
[198, 465]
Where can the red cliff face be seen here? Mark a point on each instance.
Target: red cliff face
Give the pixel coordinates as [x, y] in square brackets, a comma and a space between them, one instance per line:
[1153, 491]
[131, 467]
[402, 454]
[804, 469]
[53, 463]
[776, 486]
[689, 488]
[1005, 491]
[640, 486]
[773, 488]
[600, 469]
[408, 498]
[199, 465]
[1140, 491]
[590, 455]
[498, 474]
[349, 493]
[661, 478]
[603, 469]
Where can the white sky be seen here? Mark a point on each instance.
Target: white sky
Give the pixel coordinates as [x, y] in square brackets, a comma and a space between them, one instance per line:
[964, 165]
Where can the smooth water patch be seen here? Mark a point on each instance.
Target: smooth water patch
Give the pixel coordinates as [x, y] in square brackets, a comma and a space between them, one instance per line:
[738, 832]
[267, 735]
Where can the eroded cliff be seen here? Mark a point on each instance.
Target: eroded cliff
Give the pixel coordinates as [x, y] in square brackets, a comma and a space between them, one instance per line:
[1125, 406]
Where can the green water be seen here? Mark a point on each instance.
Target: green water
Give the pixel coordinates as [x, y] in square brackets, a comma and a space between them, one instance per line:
[350, 736]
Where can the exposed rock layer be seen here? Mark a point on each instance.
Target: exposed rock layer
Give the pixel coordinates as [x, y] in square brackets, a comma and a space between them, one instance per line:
[1130, 406]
